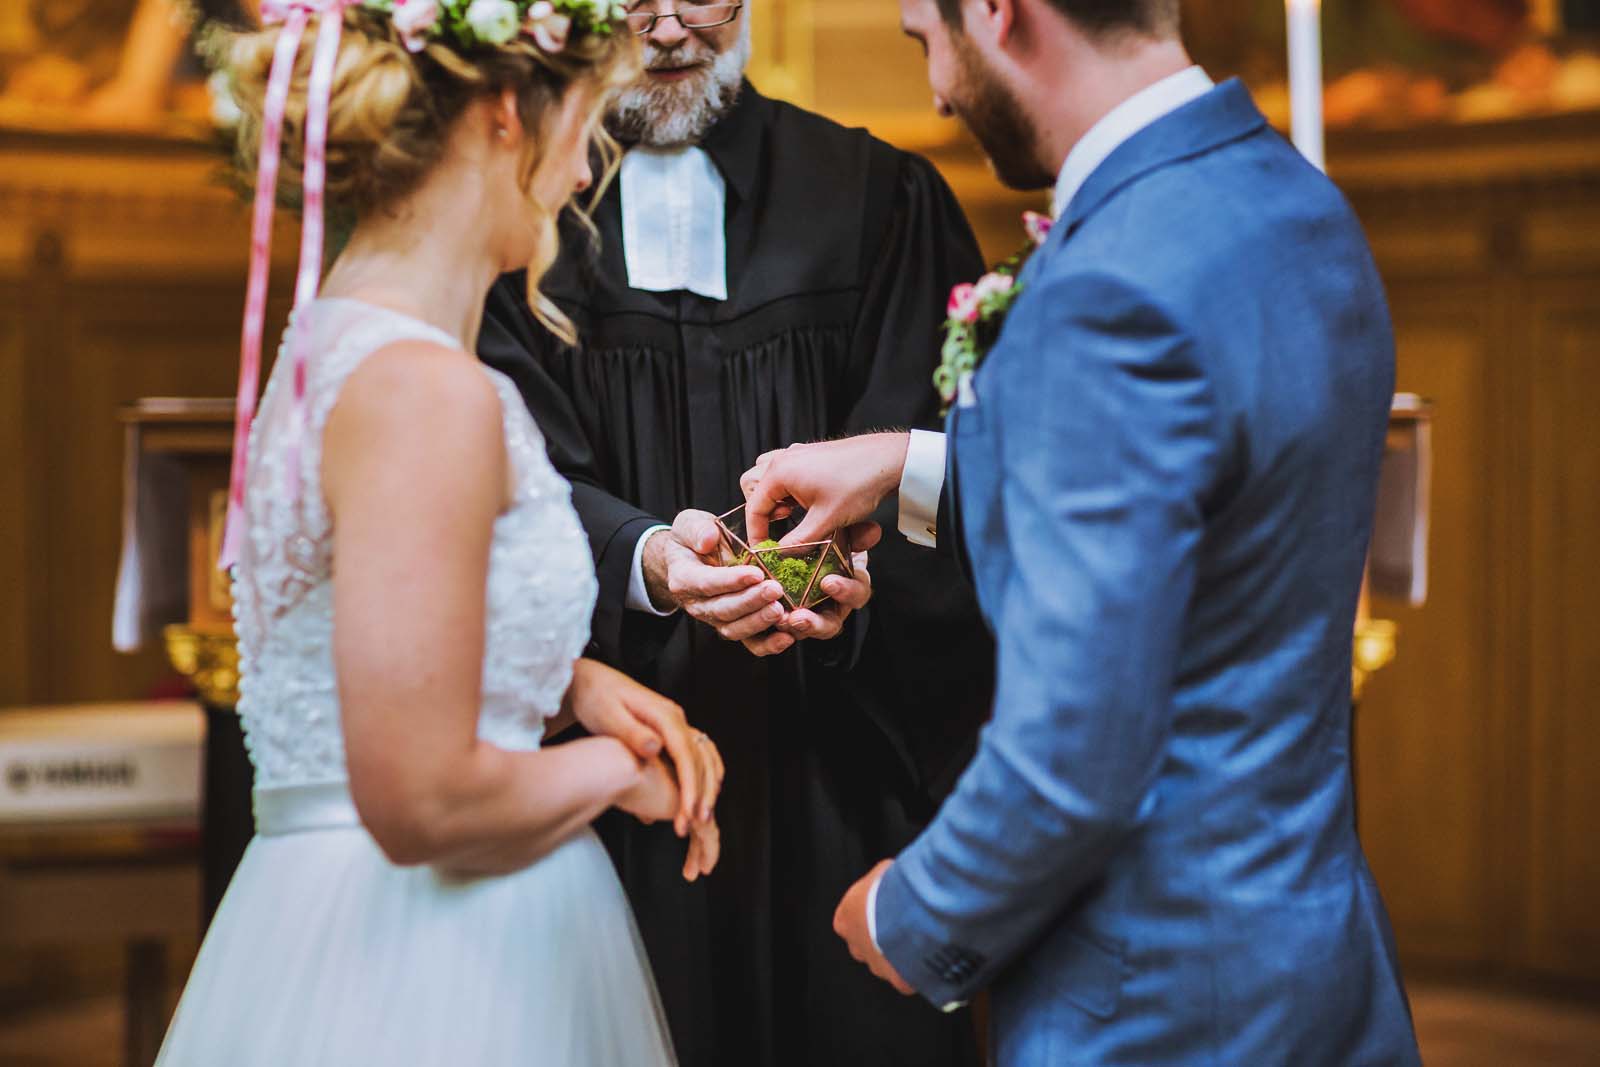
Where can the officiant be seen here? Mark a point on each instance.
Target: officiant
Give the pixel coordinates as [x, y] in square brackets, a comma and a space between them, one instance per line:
[763, 277]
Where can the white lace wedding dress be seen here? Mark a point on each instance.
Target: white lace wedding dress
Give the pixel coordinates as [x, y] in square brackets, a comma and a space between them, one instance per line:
[324, 954]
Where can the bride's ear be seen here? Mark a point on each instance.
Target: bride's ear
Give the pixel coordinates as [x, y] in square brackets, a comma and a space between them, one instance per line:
[506, 118]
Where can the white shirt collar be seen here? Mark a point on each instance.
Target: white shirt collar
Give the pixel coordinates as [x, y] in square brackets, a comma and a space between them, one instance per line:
[1121, 123]
[674, 207]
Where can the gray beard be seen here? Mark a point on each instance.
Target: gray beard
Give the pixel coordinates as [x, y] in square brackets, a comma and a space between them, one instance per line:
[666, 116]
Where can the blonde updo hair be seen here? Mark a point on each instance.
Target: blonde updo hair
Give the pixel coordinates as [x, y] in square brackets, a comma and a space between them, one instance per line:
[391, 112]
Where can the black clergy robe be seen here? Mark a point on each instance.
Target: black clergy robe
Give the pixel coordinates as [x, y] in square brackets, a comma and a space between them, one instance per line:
[841, 252]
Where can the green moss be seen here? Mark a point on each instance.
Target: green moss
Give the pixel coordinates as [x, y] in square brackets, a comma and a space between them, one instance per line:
[792, 572]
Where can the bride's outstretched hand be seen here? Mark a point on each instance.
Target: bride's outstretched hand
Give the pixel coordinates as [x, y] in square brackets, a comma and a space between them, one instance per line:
[610, 704]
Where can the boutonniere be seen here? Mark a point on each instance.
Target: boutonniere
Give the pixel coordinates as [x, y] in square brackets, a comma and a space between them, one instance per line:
[978, 310]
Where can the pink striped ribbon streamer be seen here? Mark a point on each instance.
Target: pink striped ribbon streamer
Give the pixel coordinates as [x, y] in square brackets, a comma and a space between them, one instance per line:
[294, 15]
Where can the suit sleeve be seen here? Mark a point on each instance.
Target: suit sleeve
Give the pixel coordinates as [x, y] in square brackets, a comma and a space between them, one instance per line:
[1106, 452]
[513, 341]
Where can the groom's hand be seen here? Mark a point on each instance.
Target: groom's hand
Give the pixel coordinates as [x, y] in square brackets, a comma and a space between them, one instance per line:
[850, 922]
[682, 569]
[838, 483]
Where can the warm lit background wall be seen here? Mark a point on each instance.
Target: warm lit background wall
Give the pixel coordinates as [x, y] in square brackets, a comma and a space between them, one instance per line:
[121, 274]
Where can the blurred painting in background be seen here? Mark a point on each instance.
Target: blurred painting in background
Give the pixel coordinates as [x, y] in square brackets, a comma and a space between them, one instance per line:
[106, 64]
[1405, 62]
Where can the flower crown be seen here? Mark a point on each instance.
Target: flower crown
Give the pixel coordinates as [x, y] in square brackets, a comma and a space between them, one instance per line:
[461, 24]
[468, 24]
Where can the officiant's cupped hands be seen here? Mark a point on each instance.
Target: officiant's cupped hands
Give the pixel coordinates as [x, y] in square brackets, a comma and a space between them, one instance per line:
[683, 770]
[684, 569]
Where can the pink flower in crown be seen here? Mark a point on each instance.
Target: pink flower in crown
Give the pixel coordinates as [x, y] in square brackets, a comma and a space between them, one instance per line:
[964, 302]
[415, 20]
[992, 284]
[1037, 226]
[547, 27]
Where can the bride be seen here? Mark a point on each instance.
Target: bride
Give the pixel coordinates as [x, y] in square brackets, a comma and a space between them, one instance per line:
[413, 589]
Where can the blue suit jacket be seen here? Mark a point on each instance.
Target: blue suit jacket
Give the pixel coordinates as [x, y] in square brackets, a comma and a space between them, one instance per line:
[1165, 492]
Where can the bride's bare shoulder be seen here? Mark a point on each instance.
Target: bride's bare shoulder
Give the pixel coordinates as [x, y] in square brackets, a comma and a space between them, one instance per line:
[418, 404]
[416, 384]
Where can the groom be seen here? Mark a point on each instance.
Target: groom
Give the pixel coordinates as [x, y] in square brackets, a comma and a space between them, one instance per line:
[1162, 482]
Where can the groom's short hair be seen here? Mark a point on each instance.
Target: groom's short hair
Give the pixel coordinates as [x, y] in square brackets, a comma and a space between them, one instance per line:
[1102, 18]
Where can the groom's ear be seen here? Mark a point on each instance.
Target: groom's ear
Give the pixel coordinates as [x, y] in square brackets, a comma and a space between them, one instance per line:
[991, 19]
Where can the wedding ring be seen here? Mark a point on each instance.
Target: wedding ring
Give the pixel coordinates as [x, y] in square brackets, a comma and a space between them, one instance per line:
[700, 738]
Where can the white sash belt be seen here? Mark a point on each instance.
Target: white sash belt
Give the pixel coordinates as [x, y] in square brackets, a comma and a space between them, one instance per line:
[298, 809]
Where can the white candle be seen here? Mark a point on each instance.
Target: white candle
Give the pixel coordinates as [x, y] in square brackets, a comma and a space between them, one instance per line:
[1305, 78]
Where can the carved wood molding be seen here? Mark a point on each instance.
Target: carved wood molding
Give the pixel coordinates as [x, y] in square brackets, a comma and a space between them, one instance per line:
[122, 204]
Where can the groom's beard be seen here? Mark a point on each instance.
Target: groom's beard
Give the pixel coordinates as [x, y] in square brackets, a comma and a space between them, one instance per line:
[991, 111]
[667, 114]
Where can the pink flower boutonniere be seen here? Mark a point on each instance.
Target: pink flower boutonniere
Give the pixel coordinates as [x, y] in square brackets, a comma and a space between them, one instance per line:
[977, 311]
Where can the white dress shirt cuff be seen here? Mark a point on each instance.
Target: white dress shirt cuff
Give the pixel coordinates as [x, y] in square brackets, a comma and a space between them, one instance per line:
[638, 591]
[872, 913]
[920, 487]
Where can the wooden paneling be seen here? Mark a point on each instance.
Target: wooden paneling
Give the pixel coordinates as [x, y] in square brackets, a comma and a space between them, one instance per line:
[14, 461]
[1563, 709]
[122, 268]
[1479, 748]
[1425, 737]
[127, 341]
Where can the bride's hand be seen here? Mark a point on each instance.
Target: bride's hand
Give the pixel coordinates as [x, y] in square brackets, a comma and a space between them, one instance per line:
[654, 798]
[705, 848]
[608, 703]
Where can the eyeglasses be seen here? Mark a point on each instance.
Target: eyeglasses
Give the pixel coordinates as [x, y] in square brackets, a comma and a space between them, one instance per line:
[690, 17]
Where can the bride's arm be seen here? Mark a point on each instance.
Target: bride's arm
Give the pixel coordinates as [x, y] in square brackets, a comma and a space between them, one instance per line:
[415, 471]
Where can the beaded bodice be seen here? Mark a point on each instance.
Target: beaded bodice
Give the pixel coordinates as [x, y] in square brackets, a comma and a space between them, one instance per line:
[541, 584]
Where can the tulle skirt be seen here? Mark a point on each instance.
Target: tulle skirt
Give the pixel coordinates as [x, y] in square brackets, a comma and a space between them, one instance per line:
[324, 953]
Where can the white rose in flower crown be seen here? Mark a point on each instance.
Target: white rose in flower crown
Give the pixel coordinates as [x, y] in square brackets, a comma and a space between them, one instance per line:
[415, 20]
[493, 21]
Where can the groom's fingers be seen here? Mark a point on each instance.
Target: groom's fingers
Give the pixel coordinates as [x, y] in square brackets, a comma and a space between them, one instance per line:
[752, 477]
[762, 503]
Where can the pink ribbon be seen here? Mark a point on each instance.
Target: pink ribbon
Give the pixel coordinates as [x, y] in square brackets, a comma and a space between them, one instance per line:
[294, 15]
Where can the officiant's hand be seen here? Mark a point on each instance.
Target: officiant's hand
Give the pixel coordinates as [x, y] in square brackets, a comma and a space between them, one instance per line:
[838, 483]
[850, 594]
[682, 569]
[850, 922]
[610, 704]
